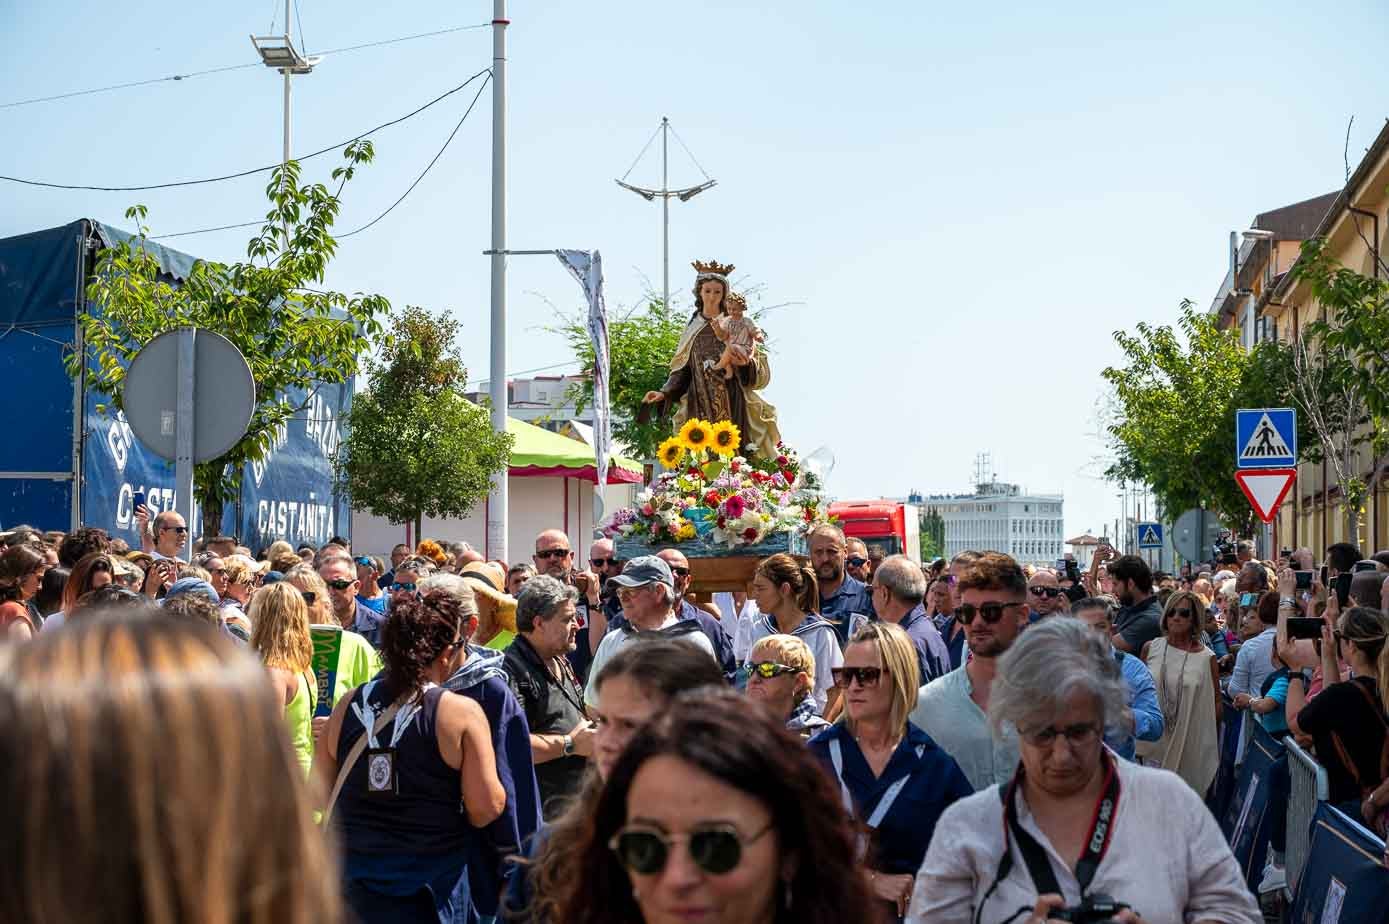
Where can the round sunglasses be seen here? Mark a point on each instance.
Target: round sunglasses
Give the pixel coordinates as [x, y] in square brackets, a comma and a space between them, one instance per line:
[716, 849]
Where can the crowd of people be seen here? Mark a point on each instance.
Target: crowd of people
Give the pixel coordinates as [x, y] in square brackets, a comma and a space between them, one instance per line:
[315, 734]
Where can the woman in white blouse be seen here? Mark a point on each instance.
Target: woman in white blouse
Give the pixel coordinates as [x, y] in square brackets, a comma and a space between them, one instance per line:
[1081, 825]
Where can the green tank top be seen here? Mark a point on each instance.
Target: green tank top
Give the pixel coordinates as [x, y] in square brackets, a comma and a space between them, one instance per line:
[299, 717]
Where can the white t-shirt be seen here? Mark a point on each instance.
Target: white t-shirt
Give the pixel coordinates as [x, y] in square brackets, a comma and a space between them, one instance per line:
[613, 641]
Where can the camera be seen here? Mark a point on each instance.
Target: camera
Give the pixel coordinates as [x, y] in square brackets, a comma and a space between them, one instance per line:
[1093, 909]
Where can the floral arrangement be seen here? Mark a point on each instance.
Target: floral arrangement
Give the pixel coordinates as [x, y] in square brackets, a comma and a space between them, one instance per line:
[710, 493]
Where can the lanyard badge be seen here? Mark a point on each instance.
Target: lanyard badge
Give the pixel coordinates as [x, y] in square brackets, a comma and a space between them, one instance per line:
[381, 772]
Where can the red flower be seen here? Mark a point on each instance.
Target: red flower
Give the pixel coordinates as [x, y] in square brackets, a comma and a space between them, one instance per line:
[750, 534]
[712, 498]
[722, 522]
[783, 461]
[734, 467]
[648, 510]
[809, 515]
[789, 475]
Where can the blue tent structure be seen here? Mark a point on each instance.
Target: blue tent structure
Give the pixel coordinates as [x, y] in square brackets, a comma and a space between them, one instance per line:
[64, 462]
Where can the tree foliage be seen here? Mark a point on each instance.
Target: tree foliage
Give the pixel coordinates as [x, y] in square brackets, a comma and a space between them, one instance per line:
[1177, 394]
[415, 445]
[932, 535]
[640, 347]
[294, 335]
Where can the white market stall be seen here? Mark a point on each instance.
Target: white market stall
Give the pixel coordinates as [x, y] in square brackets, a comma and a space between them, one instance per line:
[551, 482]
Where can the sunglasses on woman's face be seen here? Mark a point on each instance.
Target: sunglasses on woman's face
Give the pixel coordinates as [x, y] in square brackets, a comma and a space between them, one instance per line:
[716, 849]
[866, 676]
[769, 669]
[1183, 612]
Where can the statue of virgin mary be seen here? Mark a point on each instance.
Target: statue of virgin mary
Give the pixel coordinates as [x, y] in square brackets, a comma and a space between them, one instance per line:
[698, 391]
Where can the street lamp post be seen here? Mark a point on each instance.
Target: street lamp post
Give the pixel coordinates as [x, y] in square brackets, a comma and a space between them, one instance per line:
[278, 52]
[665, 193]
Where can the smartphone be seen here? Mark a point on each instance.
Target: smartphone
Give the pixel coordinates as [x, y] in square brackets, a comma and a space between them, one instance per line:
[1104, 542]
[1248, 600]
[1305, 627]
[138, 500]
[1304, 580]
[1364, 566]
[1323, 575]
[1285, 553]
[1343, 589]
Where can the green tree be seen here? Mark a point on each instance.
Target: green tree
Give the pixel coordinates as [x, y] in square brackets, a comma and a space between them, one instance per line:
[1341, 384]
[932, 534]
[1176, 396]
[415, 446]
[640, 346]
[294, 335]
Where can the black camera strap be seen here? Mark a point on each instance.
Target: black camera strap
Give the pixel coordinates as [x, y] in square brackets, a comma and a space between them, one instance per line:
[1035, 856]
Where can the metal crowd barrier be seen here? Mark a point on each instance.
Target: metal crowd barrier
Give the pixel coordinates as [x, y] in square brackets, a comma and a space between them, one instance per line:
[1309, 786]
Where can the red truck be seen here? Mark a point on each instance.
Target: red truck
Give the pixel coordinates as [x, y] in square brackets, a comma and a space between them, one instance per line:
[892, 526]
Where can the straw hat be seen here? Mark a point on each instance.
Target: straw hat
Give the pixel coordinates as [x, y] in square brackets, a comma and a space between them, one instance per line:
[487, 581]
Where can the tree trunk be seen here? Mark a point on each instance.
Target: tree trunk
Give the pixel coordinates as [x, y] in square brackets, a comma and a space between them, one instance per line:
[419, 527]
[213, 505]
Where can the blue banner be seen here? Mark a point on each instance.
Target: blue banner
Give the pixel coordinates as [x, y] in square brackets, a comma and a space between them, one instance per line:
[1248, 811]
[1344, 879]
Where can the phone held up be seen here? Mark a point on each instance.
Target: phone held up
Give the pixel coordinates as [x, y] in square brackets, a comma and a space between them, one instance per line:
[1300, 627]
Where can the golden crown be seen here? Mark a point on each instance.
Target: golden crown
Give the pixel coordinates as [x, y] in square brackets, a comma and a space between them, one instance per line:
[713, 267]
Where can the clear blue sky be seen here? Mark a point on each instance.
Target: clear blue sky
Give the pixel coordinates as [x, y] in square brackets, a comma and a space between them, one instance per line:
[964, 201]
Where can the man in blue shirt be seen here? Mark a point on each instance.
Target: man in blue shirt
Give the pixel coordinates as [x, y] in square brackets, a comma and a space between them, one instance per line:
[1143, 706]
[898, 587]
[684, 609]
[841, 596]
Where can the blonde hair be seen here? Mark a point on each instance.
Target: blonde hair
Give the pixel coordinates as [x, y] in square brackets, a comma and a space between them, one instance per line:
[898, 654]
[278, 547]
[240, 570]
[280, 628]
[791, 651]
[136, 737]
[304, 577]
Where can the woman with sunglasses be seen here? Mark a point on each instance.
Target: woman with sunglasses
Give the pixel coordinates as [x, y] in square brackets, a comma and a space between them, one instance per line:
[892, 778]
[714, 813]
[398, 754]
[1187, 677]
[1074, 821]
[781, 677]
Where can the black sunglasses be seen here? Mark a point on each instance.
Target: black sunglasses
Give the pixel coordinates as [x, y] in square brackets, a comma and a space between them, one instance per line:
[178, 529]
[554, 553]
[339, 583]
[769, 669]
[679, 572]
[715, 850]
[989, 612]
[866, 676]
[858, 561]
[1184, 612]
[604, 562]
[1048, 592]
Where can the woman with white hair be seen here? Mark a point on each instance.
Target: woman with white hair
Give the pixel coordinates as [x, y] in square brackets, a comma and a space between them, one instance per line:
[1075, 825]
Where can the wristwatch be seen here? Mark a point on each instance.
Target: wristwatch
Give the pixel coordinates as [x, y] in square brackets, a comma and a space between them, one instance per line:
[568, 746]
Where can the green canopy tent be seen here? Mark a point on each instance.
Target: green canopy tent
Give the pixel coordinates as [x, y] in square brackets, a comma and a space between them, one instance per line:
[539, 453]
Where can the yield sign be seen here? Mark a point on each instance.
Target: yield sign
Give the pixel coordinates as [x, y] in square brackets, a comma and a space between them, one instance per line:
[1266, 488]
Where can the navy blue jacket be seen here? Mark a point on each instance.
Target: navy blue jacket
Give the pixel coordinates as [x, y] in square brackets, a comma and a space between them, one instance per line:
[853, 596]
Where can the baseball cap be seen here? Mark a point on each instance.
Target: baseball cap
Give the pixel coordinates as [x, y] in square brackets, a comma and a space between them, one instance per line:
[192, 585]
[643, 570]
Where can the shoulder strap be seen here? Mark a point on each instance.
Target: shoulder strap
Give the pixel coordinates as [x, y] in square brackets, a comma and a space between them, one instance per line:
[1378, 710]
[358, 748]
[1119, 658]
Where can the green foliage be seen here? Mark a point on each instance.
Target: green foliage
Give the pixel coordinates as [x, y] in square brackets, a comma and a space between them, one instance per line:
[932, 535]
[415, 445]
[1177, 395]
[294, 335]
[640, 347]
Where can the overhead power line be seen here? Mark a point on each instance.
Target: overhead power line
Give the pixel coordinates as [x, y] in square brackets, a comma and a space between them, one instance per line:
[408, 191]
[243, 173]
[229, 67]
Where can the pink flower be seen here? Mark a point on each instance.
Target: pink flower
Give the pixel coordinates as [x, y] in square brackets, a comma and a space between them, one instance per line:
[648, 510]
[734, 507]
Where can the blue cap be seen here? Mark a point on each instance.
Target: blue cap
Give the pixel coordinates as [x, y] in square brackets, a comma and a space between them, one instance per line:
[192, 585]
[272, 577]
[643, 570]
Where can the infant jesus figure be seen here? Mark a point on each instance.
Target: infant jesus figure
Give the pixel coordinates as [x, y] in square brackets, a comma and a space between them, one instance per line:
[737, 333]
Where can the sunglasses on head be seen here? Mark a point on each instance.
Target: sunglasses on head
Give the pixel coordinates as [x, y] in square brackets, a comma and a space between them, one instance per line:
[769, 669]
[717, 849]
[339, 583]
[989, 612]
[1048, 592]
[554, 553]
[866, 676]
[858, 561]
[399, 586]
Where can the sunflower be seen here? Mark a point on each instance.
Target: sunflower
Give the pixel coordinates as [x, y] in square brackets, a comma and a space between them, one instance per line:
[695, 434]
[671, 452]
[725, 438]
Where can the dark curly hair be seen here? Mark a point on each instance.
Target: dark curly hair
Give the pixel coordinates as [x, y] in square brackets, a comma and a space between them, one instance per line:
[80, 543]
[995, 571]
[715, 732]
[417, 632]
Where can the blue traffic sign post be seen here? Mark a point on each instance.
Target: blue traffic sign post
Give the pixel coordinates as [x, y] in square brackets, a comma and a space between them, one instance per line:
[1266, 461]
[1266, 438]
[1149, 535]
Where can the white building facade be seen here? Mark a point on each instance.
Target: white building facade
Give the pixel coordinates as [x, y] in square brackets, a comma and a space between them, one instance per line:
[1000, 518]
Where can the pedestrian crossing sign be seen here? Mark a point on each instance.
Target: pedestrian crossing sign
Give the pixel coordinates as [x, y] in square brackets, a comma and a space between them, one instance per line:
[1150, 535]
[1266, 438]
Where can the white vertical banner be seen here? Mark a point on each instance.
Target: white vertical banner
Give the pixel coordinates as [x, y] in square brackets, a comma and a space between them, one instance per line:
[587, 268]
